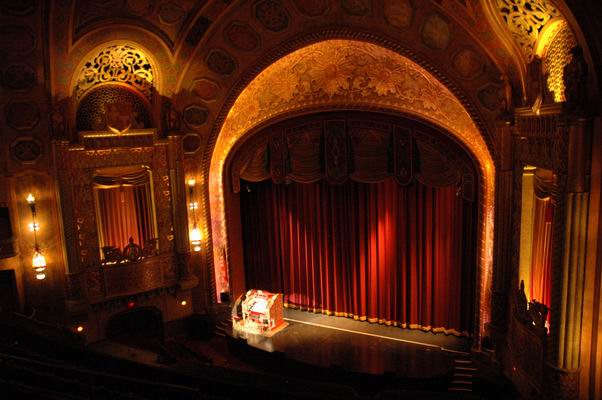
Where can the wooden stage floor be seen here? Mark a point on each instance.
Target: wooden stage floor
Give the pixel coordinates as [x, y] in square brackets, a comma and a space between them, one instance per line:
[360, 347]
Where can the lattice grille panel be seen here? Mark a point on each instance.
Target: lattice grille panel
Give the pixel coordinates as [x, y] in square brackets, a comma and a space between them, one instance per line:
[525, 20]
[556, 55]
[91, 111]
[122, 64]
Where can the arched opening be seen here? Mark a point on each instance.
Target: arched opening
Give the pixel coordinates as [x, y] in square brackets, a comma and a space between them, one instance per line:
[347, 74]
[140, 327]
[365, 215]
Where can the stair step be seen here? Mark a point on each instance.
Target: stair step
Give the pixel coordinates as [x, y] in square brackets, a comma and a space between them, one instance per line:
[465, 369]
[459, 389]
[461, 382]
[461, 361]
[460, 375]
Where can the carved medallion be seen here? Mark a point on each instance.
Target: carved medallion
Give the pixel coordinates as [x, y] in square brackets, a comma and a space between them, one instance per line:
[398, 13]
[16, 39]
[139, 8]
[205, 89]
[272, 15]
[221, 62]
[170, 13]
[191, 143]
[195, 116]
[435, 32]
[468, 64]
[22, 114]
[312, 8]
[26, 150]
[358, 8]
[18, 77]
[241, 36]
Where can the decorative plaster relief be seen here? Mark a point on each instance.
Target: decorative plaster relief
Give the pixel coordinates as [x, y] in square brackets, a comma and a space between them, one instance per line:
[468, 64]
[191, 142]
[241, 36]
[350, 74]
[22, 114]
[398, 13]
[205, 89]
[435, 32]
[272, 15]
[18, 77]
[123, 64]
[221, 62]
[16, 39]
[312, 8]
[525, 19]
[26, 150]
[357, 8]
[195, 116]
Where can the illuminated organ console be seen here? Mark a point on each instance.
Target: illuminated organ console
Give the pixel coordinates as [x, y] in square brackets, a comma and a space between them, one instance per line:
[258, 312]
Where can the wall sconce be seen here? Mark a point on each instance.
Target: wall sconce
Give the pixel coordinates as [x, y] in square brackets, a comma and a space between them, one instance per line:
[38, 262]
[195, 232]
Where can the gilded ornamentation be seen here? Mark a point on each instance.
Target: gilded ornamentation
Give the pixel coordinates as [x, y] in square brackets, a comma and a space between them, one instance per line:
[75, 176]
[346, 73]
[556, 56]
[123, 64]
[525, 20]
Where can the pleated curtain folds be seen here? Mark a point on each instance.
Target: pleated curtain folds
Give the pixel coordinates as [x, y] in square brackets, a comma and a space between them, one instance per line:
[382, 252]
[125, 212]
[541, 267]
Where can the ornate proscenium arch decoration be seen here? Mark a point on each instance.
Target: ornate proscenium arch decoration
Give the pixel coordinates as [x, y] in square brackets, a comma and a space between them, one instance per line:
[349, 74]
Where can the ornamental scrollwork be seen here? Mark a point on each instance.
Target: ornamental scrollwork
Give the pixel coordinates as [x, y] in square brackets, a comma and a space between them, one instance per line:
[525, 20]
[122, 64]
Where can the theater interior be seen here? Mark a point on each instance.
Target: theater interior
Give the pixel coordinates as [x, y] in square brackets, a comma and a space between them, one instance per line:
[300, 199]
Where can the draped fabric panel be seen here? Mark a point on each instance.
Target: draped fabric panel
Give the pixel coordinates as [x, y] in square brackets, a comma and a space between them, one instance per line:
[541, 267]
[379, 252]
[125, 211]
[340, 152]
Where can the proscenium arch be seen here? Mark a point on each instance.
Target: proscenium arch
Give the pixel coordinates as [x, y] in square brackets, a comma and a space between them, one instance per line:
[342, 73]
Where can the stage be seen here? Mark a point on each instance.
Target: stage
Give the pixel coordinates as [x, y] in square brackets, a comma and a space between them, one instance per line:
[340, 348]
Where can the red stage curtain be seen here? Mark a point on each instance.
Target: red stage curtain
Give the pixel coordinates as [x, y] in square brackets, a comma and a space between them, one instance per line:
[541, 267]
[124, 213]
[392, 254]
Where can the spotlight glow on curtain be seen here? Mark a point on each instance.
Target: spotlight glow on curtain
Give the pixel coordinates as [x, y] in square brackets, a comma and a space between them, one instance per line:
[124, 206]
[541, 267]
[400, 255]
